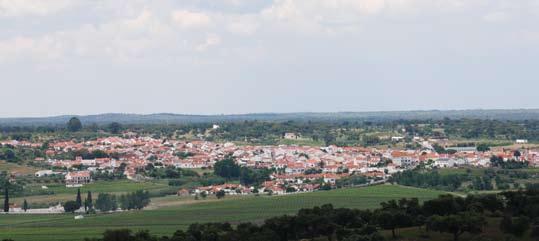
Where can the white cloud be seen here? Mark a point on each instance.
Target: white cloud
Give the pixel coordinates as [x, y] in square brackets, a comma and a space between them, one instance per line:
[157, 29]
[189, 19]
[495, 17]
[17, 8]
[243, 24]
[211, 40]
[143, 36]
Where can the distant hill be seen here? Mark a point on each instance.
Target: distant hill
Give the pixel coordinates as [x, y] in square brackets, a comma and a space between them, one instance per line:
[164, 118]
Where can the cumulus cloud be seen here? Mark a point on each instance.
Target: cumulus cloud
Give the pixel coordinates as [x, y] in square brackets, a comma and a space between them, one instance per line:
[17, 8]
[153, 28]
[211, 40]
[243, 24]
[496, 17]
[189, 19]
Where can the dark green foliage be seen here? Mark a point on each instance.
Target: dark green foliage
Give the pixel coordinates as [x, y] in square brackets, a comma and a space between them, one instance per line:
[429, 179]
[8, 154]
[220, 194]
[497, 161]
[88, 202]
[370, 140]
[169, 172]
[115, 128]
[71, 206]
[227, 168]
[79, 198]
[136, 200]
[184, 155]
[106, 202]
[515, 226]
[483, 147]
[457, 224]
[351, 181]
[6, 200]
[25, 205]
[74, 125]
[249, 176]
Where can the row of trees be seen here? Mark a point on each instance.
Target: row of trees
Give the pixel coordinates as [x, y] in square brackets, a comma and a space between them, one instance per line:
[106, 202]
[429, 179]
[72, 206]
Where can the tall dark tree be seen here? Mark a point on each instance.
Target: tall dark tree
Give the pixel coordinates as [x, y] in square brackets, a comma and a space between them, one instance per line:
[25, 205]
[74, 124]
[88, 202]
[79, 198]
[6, 200]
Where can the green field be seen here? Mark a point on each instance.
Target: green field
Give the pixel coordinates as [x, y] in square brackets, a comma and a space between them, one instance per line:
[165, 220]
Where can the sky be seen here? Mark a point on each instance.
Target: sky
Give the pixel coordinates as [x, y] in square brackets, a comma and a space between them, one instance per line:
[251, 56]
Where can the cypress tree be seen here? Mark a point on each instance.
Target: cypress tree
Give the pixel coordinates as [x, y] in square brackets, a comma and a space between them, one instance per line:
[79, 199]
[6, 200]
[88, 203]
[25, 205]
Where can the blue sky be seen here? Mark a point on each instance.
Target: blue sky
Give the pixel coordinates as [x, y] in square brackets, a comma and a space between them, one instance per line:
[245, 56]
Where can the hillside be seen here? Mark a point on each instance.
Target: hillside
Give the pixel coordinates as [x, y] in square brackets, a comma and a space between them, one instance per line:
[166, 118]
[164, 221]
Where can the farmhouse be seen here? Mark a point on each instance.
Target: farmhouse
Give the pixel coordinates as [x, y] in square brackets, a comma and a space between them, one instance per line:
[77, 179]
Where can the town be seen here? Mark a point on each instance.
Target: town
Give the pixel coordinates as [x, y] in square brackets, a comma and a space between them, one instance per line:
[293, 168]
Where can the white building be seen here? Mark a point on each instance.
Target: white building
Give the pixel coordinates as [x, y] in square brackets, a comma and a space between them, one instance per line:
[77, 179]
[44, 173]
[291, 136]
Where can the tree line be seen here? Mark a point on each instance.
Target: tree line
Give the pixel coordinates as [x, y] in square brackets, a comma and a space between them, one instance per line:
[106, 202]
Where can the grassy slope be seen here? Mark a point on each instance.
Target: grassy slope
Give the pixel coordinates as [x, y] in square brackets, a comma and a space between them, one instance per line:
[15, 168]
[166, 220]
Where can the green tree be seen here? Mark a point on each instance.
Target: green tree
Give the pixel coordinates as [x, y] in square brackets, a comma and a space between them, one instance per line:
[516, 226]
[483, 147]
[71, 206]
[106, 202]
[74, 124]
[88, 202]
[220, 194]
[6, 200]
[227, 168]
[115, 127]
[329, 139]
[79, 199]
[457, 224]
[9, 155]
[393, 220]
[25, 205]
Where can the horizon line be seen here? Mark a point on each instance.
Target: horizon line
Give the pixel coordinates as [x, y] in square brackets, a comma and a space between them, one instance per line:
[268, 113]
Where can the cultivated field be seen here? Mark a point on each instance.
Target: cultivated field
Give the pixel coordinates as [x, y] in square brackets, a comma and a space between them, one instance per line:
[165, 219]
